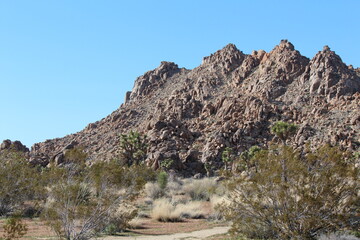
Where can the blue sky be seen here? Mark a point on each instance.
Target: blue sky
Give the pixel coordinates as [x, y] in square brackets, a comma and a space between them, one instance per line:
[64, 64]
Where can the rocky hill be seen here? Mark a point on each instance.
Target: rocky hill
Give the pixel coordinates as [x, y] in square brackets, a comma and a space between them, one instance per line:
[231, 99]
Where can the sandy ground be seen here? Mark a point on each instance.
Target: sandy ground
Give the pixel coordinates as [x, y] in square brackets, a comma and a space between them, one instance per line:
[201, 234]
[147, 229]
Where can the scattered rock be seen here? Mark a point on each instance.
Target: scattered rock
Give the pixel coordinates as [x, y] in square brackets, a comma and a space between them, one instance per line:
[15, 145]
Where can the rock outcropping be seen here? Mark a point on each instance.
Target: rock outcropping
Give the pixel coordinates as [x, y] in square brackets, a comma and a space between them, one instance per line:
[230, 100]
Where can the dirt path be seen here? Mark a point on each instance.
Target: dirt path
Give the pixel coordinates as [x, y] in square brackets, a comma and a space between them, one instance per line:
[201, 234]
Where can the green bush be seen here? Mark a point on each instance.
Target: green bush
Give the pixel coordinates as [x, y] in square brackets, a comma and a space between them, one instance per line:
[111, 229]
[167, 164]
[19, 182]
[162, 180]
[318, 195]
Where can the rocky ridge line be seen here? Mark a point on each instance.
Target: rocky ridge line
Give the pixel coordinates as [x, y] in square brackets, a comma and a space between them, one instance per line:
[230, 100]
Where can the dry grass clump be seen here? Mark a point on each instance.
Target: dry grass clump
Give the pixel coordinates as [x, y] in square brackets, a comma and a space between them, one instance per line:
[153, 190]
[200, 189]
[192, 209]
[183, 198]
[165, 210]
[136, 223]
[196, 189]
[174, 187]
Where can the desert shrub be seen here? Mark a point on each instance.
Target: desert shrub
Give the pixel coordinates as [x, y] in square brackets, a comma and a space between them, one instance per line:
[295, 196]
[75, 155]
[120, 218]
[72, 207]
[19, 182]
[14, 228]
[200, 189]
[84, 201]
[132, 178]
[111, 229]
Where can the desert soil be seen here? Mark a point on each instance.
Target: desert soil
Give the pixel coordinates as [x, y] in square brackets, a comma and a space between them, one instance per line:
[200, 234]
[146, 229]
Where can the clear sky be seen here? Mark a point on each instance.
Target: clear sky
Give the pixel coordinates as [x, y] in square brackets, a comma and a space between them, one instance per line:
[66, 63]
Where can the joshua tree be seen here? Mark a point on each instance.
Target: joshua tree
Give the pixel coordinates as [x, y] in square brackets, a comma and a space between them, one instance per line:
[283, 130]
[133, 147]
[226, 157]
[248, 157]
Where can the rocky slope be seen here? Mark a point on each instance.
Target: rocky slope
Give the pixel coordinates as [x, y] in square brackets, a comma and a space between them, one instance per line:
[231, 99]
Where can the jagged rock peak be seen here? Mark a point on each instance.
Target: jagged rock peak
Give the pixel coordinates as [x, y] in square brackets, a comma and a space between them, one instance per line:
[145, 83]
[284, 62]
[228, 51]
[328, 75]
[326, 48]
[285, 45]
[227, 59]
[167, 66]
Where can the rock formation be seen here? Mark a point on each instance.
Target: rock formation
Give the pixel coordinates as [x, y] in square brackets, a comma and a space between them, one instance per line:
[230, 100]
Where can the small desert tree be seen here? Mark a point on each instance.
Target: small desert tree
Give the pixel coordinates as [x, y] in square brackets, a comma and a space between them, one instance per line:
[283, 130]
[18, 181]
[319, 196]
[133, 147]
[227, 157]
[247, 158]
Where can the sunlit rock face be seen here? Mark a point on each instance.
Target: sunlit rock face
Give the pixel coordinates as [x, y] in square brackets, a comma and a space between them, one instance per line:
[230, 100]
